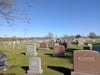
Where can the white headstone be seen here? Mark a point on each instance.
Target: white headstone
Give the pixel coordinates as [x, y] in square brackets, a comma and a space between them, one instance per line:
[31, 50]
[35, 66]
[14, 42]
[81, 42]
[90, 45]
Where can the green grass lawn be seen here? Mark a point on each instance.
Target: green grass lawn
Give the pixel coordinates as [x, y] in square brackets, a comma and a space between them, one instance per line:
[19, 62]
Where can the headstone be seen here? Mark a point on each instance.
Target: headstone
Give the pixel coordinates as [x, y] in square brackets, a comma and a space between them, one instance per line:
[86, 48]
[17, 44]
[96, 48]
[90, 45]
[31, 50]
[9, 43]
[97, 40]
[35, 66]
[52, 43]
[86, 62]
[3, 62]
[59, 50]
[43, 46]
[93, 40]
[81, 42]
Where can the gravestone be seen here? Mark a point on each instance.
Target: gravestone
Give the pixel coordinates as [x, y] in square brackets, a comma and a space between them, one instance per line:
[86, 47]
[86, 62]
[13, 45]
[31, 50]
[96, 48]
[59, 50]
[90, 45]
[17, 45]
[43, 46]
[3, 62]
[52, 43]
[9, 43]
[81, 42]
[35, 66]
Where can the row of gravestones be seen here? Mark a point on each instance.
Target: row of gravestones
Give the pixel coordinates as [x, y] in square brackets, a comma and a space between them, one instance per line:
[80, 58]
[86, 62]
[31, 48]
[12, 44]
[59, 50]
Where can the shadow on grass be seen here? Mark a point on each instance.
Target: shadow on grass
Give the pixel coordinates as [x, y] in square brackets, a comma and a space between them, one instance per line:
[63, 70]
[23, 53]
[70, 53]
[71, 50]
[68, 56]
[65, 56]
[55, 55]
[8, 74]
[49, 54]
[25, 68]
[50, 48]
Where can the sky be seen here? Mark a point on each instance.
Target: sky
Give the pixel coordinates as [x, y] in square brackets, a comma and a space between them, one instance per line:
[60, 17]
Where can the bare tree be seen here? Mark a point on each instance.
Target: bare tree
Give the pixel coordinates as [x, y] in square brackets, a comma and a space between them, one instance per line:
[92, 35]
[8, 8]
[78, 36]
[50, 35]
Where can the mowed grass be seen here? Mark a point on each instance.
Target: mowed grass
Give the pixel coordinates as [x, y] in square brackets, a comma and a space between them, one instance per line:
[19, 62]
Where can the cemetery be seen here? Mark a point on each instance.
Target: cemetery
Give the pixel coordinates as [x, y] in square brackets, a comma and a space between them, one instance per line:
[49, 37]
[37, 58]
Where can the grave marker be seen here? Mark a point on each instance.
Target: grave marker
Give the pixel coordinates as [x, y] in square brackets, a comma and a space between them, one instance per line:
[59, 50]
[86, 62]
[3, 62]
[35, 66]
[96, 48]
[31, 50]
[43, 46]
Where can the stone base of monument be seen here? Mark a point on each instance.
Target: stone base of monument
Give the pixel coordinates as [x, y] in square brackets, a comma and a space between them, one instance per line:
[80, 73]
[43, 48]
[31, 54]
[34, 72]
[4, 68]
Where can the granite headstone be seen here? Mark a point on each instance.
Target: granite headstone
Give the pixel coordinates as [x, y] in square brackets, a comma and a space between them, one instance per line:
[59, 50]
[86, 62]
[96, 48]
[43, 46]
[3, 62]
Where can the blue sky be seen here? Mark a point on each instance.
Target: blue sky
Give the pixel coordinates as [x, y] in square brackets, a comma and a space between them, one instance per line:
[60, 17]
